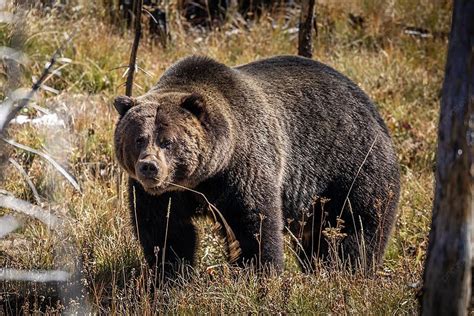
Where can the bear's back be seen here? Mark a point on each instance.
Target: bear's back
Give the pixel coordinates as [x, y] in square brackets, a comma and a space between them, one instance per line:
[293, 78]
[317, 105]
[331, 125]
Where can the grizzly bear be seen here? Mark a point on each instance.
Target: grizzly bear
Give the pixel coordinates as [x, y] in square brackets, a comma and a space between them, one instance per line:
[280, 144]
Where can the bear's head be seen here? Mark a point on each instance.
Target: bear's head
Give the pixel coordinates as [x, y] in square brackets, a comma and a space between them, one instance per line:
[170, 140]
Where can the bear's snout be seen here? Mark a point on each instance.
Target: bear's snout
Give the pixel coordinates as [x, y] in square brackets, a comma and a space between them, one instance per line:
[147, 169]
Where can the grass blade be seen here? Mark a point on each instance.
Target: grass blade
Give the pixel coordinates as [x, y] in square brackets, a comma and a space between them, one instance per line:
[55, 164]
[27, 179]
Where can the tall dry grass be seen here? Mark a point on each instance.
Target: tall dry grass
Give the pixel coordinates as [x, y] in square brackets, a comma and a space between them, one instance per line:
[402, 74]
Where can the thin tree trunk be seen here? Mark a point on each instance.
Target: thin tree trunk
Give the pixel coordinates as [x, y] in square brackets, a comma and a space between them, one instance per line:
[133, 55]
[307, 22]
[447, 277]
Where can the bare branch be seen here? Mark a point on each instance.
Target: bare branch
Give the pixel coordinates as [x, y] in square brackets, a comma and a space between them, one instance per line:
[8, 223]
[133, 54]
[56, 165]
[305, 36]
[11, 202]
[34, 276]
[27, 179]
[13, 111]
[13, 54]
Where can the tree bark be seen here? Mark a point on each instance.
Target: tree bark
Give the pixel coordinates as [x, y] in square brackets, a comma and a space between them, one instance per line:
[133, 54]
[447, 276]
[305, 35]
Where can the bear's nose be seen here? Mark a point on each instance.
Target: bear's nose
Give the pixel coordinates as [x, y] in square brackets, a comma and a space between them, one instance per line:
[148, 168]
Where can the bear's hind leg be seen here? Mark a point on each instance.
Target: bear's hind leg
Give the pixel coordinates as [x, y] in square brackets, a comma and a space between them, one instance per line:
[259, 232]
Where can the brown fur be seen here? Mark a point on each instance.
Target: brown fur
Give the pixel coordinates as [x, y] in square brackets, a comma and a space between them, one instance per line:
[261, 141]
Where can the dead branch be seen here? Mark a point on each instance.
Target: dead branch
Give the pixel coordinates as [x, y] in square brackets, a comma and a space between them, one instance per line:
[27, 179]
[133, 55]
[305, 35]
[11, 202]
[55, 164]
[23, 102]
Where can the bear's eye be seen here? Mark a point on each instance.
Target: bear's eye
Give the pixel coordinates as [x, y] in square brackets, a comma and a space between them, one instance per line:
[165, 144]
[140, 141]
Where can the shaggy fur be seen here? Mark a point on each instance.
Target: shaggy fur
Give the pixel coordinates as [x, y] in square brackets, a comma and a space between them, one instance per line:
[280, 141]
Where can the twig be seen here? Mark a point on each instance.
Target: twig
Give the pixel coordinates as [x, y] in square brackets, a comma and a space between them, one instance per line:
[8, 224]
[38, 83]
[135, 212]
[55, 72]
[299, 245]
[56, 165]
[133, 54]
[292, 250]
[34, 275]
[305, 36]
[145, 72]
[10, 202]
[118, 67]
[151, 15]
[27, 179]
[165, 243]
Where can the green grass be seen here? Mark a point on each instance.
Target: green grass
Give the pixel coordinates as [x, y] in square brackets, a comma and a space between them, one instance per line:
[402, 74]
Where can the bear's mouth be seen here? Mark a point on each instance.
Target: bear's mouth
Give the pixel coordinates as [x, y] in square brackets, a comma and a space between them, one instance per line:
[154, 190]
[153, 186]
[160, 187]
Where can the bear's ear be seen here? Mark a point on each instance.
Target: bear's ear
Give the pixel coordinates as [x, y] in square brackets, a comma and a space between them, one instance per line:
[123, 103]
[195, 104]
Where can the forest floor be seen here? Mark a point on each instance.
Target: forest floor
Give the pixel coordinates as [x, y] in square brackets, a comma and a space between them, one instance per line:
[401, 71]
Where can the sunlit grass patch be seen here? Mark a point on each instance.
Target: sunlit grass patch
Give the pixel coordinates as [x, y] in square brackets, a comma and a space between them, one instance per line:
[401, 73]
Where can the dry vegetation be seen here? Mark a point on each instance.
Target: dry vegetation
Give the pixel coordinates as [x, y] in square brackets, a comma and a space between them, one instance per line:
[402, 73]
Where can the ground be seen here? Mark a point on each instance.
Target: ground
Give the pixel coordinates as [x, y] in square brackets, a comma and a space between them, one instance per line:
[402, 72]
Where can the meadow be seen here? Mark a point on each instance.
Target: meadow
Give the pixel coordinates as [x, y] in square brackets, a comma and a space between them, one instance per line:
[401, 70]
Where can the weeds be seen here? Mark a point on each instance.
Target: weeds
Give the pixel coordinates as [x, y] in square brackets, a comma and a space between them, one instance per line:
[401, 72]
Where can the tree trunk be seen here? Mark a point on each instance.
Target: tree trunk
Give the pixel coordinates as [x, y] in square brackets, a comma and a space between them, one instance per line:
[305, 36]
[447, 277]
[133, 54]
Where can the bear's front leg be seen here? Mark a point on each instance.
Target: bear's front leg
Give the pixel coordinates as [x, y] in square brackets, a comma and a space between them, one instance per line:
[164, 228]
[258, 228]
